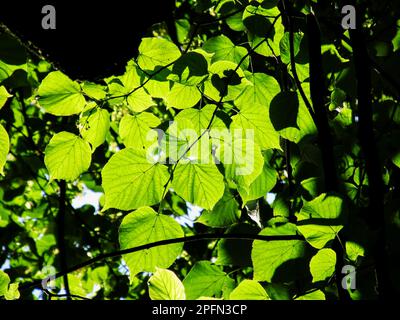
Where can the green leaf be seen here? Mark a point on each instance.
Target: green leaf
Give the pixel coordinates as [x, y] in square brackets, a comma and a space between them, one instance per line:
[256, 117]
[263, 89]
[130, 86]
[224, 49]
[354, 250]
[187, 73]
[321, 219]
[200, 184]
[322, 265]
[205, 280]
[190, 69]
[182, 96]
[132, 179]
[61, 96]
[94, 90]
[200, 119]
[284, 110]
[67, 156]
[225, 212]
[315, 295]
[4, 148]
[95, 127]
[242, 159]
[136, 130]
[261, 185]
[4, 95]
[145, 226]
[284, 46]
[225, 82]
[270, 47]
[249, 290]
[4, 281]
[156, 52]
[268, 256]
[165, 285]
[12, 293]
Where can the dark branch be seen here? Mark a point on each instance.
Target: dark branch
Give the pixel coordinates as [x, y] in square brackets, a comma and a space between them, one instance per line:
[375, 212]
[198, 237]
[61, 235]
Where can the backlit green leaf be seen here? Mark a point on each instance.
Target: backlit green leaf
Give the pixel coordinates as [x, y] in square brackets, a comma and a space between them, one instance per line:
[95, 127]
[321, 219]
[322, 265]
[200, 184]
[67, 156]
[249, 290]
[132, 179]
[144, 226]
[61, 96]
[205, 280]
[165, 285]
[4, 147]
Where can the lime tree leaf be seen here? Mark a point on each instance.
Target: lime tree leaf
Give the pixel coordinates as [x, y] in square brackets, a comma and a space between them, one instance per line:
[396, 159]
[145, 226]
[4, 281]
[225, 212]
[190, 69]
[322, 265]
[165, 285]
[321, 219]
[354, 250]
[249, 290]
[187, 73]
[132, 180]
[267, 256]
[61, 96]
[4, 148]
[67, 156]
[205, 280]
[293, 130]
[180, 141]
[224, 49]
[242, 159]
[95, 127]
[225, 82]
[284, 110]
[270, 47]
[12, 293]
[130, 86]
[200, 119]
[261, 185]
[262, 90]
[284, 46]
[199, 184]
[136, 130]
[156, 52]
[182, 96]
[256, 117]
[4, 95]
[94, 90]
[315, 295]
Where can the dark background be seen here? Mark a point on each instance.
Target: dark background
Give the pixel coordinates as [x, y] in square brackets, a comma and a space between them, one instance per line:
[93, 39]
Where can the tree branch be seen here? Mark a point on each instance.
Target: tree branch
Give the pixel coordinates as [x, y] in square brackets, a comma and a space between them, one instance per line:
[61, 235]
[375, 212]
[236, 236]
